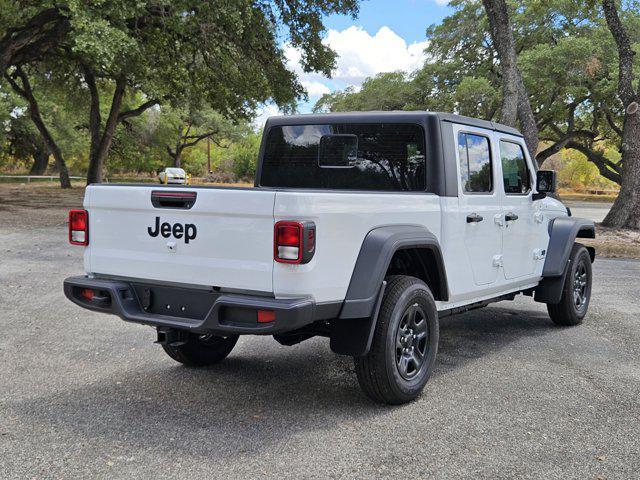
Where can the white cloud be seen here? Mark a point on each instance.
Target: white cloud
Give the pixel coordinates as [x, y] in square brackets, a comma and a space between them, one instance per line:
[315, 89]
[359, 55]
[362, 55]
[264, 112]
[442, 2]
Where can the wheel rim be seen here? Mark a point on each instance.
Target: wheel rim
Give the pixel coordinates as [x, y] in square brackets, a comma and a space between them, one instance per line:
[411, 342]
[580, 284]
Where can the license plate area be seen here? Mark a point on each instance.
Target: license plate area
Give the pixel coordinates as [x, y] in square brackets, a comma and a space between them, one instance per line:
[175, 301]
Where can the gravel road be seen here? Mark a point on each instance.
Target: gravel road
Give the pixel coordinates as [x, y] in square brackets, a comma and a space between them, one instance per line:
[513, 396]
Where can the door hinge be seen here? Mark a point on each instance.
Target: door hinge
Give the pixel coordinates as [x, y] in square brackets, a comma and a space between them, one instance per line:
[497, 261]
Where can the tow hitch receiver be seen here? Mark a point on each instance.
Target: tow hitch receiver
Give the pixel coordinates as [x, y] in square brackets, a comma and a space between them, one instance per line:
[171, 337]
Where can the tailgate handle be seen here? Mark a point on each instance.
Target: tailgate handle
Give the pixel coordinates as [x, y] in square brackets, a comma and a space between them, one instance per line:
[165, 199]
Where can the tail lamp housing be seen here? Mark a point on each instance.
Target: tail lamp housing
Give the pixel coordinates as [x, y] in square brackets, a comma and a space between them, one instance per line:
[79, 227]
[294, 242]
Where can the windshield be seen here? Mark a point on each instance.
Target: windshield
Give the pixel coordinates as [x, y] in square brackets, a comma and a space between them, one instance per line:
[345, 156]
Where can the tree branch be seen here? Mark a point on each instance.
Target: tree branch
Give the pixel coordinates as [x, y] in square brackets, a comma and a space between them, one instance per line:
[612, 123]
[137, 111]
[197, 138]
[606, 167]
[39, 34]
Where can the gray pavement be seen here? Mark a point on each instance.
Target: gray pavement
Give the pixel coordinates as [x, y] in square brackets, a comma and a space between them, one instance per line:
[595, 211]
[84, 395]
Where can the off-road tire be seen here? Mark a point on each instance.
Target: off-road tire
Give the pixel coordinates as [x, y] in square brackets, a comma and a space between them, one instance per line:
[569, 312]
[200, 351]
[379, 372]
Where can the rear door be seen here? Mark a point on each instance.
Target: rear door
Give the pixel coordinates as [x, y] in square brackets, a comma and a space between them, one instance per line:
[222, 237]
[521, 225]
[479, 203]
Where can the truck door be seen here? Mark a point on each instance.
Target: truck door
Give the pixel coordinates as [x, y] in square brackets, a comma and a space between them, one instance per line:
[521, 224]
[479, 203]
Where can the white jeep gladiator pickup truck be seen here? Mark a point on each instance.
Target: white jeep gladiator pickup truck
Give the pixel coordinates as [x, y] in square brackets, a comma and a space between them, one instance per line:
[365, 228]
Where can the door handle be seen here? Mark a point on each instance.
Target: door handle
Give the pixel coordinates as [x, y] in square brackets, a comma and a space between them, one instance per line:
[474, 218]
[510, 217]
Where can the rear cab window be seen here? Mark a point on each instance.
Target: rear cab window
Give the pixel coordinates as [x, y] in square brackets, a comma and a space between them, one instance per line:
[476, 171]
[346, 156]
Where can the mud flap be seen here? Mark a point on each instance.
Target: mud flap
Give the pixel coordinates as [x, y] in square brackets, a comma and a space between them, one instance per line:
[353, 336]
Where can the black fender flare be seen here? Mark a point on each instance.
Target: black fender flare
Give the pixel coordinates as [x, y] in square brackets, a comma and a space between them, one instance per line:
[353, 331]
[563, 232]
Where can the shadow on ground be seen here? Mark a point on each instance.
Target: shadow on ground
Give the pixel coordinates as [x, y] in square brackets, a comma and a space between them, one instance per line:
[255, 399]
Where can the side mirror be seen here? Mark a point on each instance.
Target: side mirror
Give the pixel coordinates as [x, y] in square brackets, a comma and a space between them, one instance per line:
[545, 183]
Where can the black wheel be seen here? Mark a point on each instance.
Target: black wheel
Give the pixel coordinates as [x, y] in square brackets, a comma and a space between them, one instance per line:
[202, 350]
[405, 343]
[576, 291]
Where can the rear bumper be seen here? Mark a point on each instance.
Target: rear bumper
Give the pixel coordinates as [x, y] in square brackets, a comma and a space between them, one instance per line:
[219, 313]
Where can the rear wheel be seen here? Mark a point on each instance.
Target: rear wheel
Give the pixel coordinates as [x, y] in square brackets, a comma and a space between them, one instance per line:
[576, 291]
[201, 350]
[405, 343]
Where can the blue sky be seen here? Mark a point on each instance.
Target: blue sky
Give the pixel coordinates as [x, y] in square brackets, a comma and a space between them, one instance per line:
[407, 18]
[388, 35]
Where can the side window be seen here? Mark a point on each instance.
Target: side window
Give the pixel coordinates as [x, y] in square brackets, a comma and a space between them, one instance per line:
[475, 163]
[515, 173]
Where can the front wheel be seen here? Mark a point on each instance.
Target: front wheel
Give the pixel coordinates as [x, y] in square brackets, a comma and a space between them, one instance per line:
[201, 350]
[405, 343]
[576, 291]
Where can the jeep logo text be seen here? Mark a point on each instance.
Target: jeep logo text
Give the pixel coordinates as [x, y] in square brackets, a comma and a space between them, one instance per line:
[178, 230]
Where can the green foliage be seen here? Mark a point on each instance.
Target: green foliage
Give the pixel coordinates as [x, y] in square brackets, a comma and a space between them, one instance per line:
[386, 91]
[565, 52]
[576, 172]
[244, 154]
[223, 56]
[476, 97]
[227, 54]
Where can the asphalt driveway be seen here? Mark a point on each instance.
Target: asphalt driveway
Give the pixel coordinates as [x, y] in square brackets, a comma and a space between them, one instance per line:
[87, 395]
[595, 211]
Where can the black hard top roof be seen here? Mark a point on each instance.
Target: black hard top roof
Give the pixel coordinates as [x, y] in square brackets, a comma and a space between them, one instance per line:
[381, 117]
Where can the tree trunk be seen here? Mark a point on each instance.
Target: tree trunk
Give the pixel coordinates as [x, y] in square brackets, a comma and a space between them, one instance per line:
[177, 158]
[40, 160]
[528, 124]
[515, 100]
[34, 112]
[100, 149]
[625, 212]
[101, 139]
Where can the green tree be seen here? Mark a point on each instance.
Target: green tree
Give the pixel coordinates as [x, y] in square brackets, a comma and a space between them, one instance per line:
[385, 91]
[192, 125]
[227, 54]
[567, 59]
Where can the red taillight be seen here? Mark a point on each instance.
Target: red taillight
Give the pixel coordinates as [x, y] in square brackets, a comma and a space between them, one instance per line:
[87, 293]
[266, 316]
[79, 227]
[289, 235]
[294, 242]
[288, 242]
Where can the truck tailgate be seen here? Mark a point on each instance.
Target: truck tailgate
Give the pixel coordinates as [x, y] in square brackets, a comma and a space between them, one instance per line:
[224, 240]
